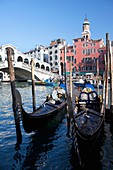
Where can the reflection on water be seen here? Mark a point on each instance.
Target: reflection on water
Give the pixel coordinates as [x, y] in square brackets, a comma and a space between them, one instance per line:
[49, 149]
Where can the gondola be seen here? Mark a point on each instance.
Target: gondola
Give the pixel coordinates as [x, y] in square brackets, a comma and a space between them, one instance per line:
[42, 116]
[80, 83]
[87, 124]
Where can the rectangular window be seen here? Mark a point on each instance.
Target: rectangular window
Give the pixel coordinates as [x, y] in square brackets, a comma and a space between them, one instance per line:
[83, 45]
[88, 51]
[83, 51]
[82, 39]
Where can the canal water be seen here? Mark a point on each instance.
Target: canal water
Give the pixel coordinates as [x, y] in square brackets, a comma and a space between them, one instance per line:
[49, 150]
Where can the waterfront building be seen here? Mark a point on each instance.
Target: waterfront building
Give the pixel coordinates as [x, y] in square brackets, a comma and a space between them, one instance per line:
[54, 54]
[101, 59]
[85, 52]
[40, 53]
[67, 56]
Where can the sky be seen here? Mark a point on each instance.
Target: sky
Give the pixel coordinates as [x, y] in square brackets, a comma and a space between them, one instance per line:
[27, 23]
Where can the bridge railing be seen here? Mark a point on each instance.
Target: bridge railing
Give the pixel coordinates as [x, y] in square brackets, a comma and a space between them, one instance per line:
[37, 69]
[40, 73]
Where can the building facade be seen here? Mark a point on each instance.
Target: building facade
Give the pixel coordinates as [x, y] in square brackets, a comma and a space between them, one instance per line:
[54, 54]
[40, 53]
[66, 59]
[84, 53]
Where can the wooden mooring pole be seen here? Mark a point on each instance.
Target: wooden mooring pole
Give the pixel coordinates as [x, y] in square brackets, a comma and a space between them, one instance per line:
[33, 84]
[13, 90]
[71, 79]
[65, 68]
[98, 75]
[67, 96]
[111, 81]
[106, 75]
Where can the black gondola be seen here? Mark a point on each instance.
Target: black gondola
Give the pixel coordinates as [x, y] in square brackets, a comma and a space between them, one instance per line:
[87, 124]
[42, 115]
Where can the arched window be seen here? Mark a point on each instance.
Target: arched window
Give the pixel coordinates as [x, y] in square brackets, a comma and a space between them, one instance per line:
[20, 59]
[26, 61]
[38, 65]
[47, 68]
[55, 51]
[56, 57]
[56, 63]
[75, 61]
[79, 68]
[42, 66]
[0, 58]
[50, 58]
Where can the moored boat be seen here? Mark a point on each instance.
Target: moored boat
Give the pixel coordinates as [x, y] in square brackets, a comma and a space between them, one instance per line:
[81, 82]
[42, 115]
[87, 124]
[42, 83]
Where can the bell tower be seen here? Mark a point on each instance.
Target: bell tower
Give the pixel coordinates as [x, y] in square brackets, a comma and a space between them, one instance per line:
[86, 29]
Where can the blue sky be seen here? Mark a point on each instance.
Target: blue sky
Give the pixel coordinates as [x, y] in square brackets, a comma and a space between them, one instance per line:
[27, 23]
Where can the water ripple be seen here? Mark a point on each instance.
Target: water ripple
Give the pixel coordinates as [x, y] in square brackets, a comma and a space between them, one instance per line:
[46, 150]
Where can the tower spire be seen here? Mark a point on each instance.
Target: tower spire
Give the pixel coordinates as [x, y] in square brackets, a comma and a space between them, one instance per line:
[86, 28]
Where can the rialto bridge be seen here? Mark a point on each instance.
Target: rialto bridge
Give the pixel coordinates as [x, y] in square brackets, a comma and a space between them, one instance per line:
[22, 65]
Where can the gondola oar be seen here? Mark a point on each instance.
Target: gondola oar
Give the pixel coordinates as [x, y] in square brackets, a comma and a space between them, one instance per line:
[14, 100]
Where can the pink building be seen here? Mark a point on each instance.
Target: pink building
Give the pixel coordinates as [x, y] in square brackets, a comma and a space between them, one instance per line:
[66, 56]
[84, 53]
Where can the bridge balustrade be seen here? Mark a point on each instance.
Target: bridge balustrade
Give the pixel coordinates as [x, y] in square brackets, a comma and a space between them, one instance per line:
[39, 73]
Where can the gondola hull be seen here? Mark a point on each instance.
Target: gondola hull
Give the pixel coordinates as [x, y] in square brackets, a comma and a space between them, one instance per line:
[42, 117]
[87, 125]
